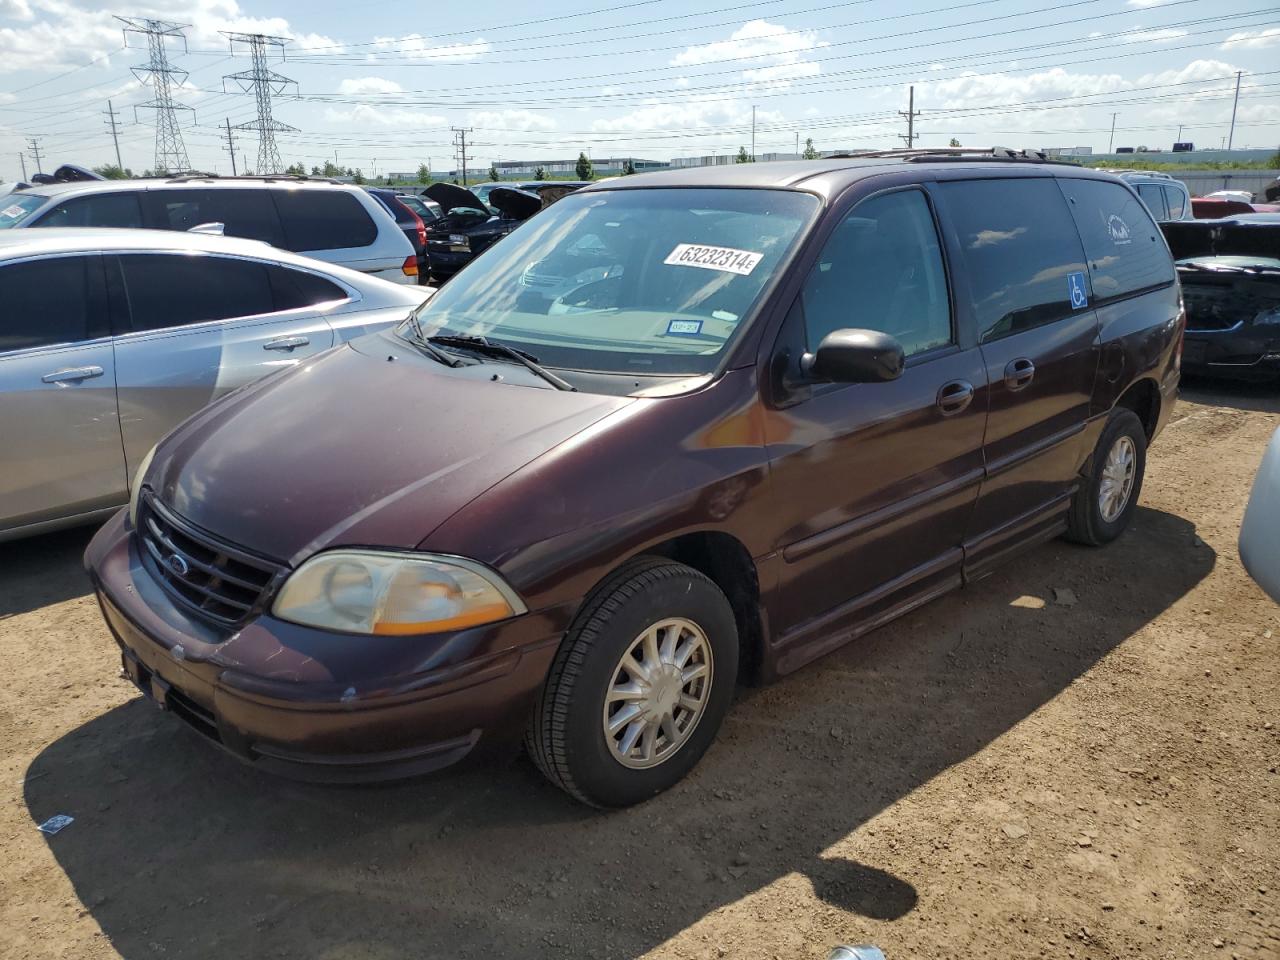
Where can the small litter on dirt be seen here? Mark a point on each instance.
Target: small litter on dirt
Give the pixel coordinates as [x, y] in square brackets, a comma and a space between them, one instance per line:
[1013, 831]
[1064, 597]
[1028, 602]
[56, 823]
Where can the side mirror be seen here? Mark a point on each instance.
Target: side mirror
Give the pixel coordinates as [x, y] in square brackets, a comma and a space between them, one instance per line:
[855, 356]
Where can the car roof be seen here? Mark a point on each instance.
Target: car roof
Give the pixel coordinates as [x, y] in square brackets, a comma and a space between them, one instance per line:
[183, 183]
[44, 240]
[831, 175]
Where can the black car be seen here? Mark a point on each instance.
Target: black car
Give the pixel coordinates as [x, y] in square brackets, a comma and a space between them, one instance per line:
[468, 226]
[1230, 272]
[408, 220]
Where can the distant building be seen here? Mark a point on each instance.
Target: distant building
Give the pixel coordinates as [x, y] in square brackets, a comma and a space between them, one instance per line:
[560, 169]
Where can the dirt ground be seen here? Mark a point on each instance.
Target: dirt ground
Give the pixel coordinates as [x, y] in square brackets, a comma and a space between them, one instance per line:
[998, 775]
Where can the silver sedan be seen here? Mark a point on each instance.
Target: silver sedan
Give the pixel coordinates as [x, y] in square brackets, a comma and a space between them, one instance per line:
[110, 338]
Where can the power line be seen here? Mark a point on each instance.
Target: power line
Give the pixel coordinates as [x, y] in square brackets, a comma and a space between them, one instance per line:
[171, 152]
[264, 82]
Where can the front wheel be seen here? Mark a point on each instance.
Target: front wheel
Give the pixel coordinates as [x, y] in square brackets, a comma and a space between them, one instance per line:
[1104, 504]
[639, 687]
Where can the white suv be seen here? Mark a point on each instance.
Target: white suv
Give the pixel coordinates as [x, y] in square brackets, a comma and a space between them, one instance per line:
[332, 222]
[1166, 197]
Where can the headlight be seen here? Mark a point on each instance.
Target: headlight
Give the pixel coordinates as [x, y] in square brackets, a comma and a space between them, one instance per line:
[135, 491]
[366, 591]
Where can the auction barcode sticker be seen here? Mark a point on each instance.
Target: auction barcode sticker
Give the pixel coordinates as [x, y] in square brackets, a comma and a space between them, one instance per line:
[725, 259]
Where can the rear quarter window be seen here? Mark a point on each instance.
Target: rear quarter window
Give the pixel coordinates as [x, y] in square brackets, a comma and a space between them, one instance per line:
[1121, 241]
[323, 220]
[1019, 249]
[296, 289]
[245, 213]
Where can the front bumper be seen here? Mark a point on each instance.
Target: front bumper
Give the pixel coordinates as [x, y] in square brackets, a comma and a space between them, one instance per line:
[294, 701]
[1241, 352]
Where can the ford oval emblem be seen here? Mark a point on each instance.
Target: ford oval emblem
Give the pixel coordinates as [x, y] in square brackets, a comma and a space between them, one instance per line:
[178, 564]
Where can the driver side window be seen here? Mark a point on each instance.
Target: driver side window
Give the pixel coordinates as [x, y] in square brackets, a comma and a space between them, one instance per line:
[881, 269]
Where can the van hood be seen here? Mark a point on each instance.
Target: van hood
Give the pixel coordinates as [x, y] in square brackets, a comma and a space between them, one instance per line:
[450, 196]
[353, 448]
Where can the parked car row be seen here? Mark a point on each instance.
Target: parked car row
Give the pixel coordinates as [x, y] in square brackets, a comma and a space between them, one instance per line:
[678, 430]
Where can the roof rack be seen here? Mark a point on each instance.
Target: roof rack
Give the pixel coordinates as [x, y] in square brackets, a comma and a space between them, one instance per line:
[264, 177]
[1124, 171]
[945, 154]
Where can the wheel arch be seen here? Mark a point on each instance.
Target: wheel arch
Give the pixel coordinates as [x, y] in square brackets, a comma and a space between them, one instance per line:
[1143, 398]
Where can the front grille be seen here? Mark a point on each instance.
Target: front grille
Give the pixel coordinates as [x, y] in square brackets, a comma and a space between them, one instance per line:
[215, 579]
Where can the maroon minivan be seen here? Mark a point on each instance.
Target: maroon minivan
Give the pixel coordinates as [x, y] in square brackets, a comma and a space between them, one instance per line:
[678, 431]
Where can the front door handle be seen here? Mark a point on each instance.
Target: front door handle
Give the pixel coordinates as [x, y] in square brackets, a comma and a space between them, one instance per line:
[286, 343]
[72, 375]
[954, 397]
[1018, 374]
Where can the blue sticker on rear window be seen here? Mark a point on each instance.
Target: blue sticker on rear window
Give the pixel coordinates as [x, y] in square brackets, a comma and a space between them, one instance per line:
[1075, 284]
[684, 328]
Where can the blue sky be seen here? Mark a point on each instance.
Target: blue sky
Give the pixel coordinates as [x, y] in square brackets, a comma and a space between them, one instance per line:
[648, 78]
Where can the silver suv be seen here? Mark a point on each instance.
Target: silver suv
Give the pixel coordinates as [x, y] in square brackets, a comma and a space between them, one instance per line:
[1166, 197]
[110, 338]
[333, 222]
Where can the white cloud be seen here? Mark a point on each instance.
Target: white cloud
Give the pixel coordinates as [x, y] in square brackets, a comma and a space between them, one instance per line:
[996, 89]
[371, 116]
[684, 114]
[15, 10]
[418, 47]
[511, 120]
[358, 86]
[1139, 35]
[780, 53]
[1253, 39]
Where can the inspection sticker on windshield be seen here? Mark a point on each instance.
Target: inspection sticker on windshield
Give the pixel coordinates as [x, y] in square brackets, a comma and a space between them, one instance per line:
[684, 328]
[13, 211]
[725, 259]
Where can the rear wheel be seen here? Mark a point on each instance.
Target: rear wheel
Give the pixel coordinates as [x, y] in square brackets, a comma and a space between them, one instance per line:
[640, 686]
[1104, 504]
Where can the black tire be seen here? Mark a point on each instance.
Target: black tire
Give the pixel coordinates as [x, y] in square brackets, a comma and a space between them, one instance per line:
[1085, 522]
[566, 738]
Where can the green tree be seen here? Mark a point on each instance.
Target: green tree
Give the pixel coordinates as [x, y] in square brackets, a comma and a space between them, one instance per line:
[809, 152]
[540, 174]
[743, 156]
[316, 172]
[331, 169]
[424, 173]
[112, 172]
[350, 172]
[628, 168]
[493, 172]
[583, 168]
[955, 142]
[357, 177]
[296, 170]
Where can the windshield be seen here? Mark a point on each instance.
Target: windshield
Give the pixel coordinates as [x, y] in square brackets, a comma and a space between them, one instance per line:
[483, 190]
[654, 281]
[17, 207]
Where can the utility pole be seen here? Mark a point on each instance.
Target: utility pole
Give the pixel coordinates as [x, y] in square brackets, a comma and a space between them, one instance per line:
[171, 152]
[753, 133]
[34, 146]
[797, 144]
[1232, 136]
[460, 141]
[231, 149]
[911, 114]
[1178, 138]
[111, 122]
[264, 82]
[1112, 139]
[22, 159]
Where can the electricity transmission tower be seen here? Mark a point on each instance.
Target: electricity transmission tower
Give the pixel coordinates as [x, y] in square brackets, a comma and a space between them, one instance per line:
[171, 152]
[264, 82]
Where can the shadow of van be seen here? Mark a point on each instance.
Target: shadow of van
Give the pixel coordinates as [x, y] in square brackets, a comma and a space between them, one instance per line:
[179, 849]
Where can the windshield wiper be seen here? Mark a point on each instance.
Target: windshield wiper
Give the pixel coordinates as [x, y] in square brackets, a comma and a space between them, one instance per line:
[423, 343]
[493, 348]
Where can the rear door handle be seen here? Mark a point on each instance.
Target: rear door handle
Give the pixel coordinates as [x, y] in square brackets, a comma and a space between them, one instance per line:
[954, 397]
[1019, 373]
[72, 375]
[286, 343]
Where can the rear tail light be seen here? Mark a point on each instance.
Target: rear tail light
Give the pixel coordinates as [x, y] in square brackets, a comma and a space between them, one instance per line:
[410, 267]
[422, 229]
[1182, 331]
